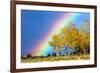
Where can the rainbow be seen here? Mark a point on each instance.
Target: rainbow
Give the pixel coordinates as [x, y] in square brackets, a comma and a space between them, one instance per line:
[43, 47]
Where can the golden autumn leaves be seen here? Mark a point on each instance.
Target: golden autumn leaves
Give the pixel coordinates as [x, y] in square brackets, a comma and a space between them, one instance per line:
[74, 37]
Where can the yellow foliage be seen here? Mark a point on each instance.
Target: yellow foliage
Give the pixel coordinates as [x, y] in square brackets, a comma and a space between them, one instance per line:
[72, 37]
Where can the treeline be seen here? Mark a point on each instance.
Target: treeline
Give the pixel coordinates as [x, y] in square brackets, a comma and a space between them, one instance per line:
[33, 57]
[77, 38]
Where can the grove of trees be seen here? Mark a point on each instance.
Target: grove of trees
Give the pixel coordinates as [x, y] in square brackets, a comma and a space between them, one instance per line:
[77, 38]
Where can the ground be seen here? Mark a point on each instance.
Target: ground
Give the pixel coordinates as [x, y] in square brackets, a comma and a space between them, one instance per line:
[56, 58]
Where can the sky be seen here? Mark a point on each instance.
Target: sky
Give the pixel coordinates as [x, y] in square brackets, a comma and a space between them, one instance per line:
[38, 26]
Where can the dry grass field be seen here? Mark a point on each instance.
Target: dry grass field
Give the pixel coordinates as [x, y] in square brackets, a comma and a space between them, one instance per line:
[56, 58]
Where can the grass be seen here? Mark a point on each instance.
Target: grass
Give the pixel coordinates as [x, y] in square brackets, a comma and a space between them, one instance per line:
[56, 58]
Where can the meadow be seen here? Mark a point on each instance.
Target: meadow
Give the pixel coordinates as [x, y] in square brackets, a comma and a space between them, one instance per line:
[56, 58]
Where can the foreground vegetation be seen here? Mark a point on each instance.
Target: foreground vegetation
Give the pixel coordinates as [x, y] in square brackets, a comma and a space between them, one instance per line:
[55, 58]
